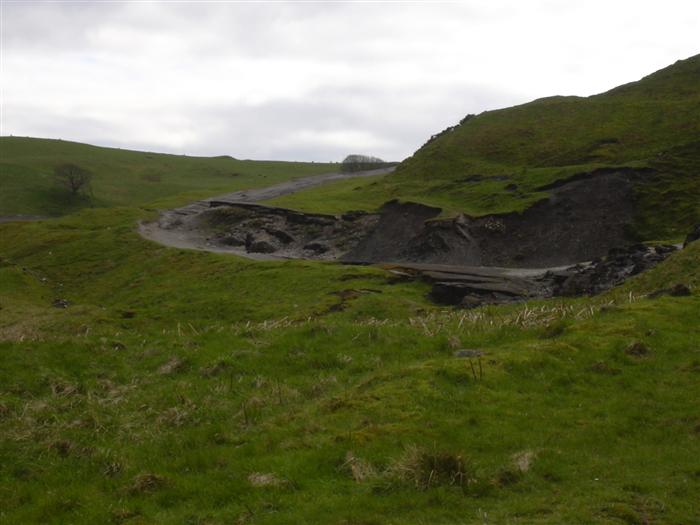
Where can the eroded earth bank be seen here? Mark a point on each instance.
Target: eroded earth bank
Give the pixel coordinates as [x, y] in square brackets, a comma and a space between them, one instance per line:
[575, 241]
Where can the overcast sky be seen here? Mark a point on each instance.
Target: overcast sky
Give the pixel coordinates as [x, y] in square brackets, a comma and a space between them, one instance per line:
[313, 80]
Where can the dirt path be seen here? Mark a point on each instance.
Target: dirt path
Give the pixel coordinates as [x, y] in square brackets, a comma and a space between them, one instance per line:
[22, 218]
[176, 228]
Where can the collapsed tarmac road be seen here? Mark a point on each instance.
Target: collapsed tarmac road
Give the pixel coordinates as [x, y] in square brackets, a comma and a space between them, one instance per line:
[184, 227]
[469, 261]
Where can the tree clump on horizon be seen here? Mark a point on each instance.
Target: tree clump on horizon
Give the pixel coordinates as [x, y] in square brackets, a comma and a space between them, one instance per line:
[357, 162]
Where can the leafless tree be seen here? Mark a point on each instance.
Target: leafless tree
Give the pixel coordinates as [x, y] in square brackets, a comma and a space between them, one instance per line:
[73, 177]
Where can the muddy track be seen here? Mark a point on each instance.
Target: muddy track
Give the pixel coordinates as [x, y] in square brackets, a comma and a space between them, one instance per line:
[180, 228]
[23, 218]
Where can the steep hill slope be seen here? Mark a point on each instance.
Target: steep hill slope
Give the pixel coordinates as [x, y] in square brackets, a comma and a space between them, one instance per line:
[506, 160]
[123, 177]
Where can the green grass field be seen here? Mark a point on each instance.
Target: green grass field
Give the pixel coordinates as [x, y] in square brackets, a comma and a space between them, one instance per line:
[123, 177]
[185, 387]
[188, 387]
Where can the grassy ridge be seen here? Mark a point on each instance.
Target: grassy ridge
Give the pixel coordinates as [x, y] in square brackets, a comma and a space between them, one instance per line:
[123, 177]
[494, 162]
[183, 386]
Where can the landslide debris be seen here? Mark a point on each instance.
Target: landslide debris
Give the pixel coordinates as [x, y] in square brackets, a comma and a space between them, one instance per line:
[285, 233]
[470, 261]
[581, 219]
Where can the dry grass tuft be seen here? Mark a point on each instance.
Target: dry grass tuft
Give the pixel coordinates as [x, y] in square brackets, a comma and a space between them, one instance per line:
[637, 349]
[507, 476]
[215, 369]
[601, 367]
[323, 384]
[61, 388]
[112, 468]
[266, 479]
[523, 460]
[553, 329]
[426, 469]
[62, 447]
[520, 463]
[110, 393]
[174, 417]
[122, 515]
[359, 469]
[172, 366]
[146, 483]
[255, 402]
[453, 342]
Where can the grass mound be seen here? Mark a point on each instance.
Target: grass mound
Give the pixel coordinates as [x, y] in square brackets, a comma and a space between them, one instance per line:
[123, 177]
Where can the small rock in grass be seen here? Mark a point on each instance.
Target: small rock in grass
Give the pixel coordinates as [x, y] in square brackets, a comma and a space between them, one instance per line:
[60, 303]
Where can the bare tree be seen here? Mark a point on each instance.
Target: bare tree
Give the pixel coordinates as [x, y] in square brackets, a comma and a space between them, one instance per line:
[73, 177]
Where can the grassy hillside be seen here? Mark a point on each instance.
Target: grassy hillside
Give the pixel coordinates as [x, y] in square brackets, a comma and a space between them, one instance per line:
[188, 387]
[494, 162]
[142, 384]
[123, 177]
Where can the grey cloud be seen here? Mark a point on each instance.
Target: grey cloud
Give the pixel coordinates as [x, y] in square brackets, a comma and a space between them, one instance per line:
[304, 81]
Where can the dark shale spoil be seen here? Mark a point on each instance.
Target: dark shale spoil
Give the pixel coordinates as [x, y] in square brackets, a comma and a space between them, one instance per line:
[575, 241]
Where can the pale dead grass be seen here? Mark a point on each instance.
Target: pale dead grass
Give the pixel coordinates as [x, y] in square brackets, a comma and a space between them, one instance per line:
[360, 469]
[266, 479]
[172, 366]
[425, 468]
[146, 483]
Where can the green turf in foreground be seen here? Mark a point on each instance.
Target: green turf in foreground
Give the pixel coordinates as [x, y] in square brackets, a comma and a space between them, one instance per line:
[187, 387]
